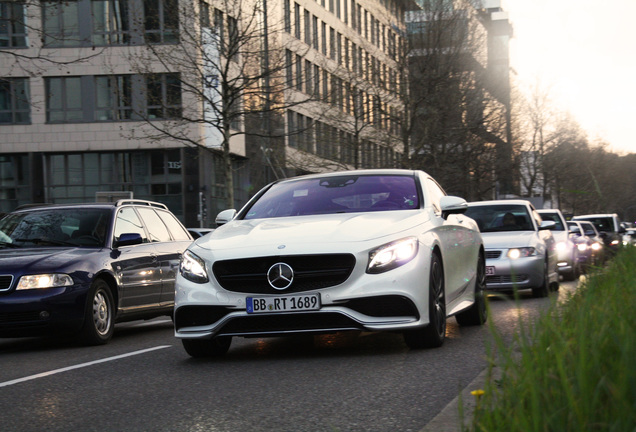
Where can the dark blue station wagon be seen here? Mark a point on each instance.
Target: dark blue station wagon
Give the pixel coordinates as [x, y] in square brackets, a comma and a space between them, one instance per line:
[78, 269]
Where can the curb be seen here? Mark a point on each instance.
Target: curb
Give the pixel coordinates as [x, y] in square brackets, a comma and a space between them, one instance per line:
[448, 419]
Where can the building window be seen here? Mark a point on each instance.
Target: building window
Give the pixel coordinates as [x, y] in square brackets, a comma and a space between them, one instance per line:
[14, 181]
[287, 16]
[161, 21]
[12, 25]
[64, 100]
[61, 23]
[204, 14]
[297, 21]
[299, 73]
[15, 105]
[110, 22]
[113, 97]
[163, 96]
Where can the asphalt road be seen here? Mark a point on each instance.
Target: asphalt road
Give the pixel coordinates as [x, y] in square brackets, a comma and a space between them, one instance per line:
[143, 380]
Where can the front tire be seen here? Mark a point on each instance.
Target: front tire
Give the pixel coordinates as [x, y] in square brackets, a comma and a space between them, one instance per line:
[204, 348]
[99, 318]
[477, 314]
[544, 289]
[432, 336]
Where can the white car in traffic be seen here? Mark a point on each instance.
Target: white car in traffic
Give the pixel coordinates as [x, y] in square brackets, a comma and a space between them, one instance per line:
[369, 250]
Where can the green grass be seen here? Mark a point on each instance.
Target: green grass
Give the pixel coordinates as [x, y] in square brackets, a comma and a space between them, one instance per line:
[574, 368]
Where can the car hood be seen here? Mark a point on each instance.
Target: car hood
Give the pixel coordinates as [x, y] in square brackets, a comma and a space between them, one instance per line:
[41, 258]
[295, 233]
[509, 239]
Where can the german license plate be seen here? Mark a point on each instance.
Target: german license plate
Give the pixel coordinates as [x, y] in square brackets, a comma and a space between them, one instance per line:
[283, 303]
[490, 270]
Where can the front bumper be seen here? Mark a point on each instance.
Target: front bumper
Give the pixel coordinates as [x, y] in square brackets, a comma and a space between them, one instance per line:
[505, 274]
[394, 300]
[40, 312]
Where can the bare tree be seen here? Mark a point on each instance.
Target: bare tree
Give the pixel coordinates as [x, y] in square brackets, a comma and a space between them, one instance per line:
[457, 121]
[227, 73]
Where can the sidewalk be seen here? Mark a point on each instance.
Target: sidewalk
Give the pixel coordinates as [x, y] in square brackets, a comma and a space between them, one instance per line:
[448, 419]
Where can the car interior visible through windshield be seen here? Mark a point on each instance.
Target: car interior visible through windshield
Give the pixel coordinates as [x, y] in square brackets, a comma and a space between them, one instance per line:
[343, 194]
[501, 218]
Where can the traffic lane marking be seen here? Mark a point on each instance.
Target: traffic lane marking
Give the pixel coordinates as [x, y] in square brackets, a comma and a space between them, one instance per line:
[82, 365]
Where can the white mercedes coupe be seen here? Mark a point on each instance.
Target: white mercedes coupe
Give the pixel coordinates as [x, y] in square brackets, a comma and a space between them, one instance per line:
[368, 250]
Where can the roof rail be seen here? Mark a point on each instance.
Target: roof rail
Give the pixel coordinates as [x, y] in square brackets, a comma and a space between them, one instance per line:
[122, 202]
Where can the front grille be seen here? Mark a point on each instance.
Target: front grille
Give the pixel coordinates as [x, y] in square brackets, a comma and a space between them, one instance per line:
[5, 282]
[507, 279]
[493, 254]
[287, 323]
[311, 272]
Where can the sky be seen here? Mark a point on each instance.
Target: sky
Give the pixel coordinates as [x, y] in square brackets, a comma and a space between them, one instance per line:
[584, 52]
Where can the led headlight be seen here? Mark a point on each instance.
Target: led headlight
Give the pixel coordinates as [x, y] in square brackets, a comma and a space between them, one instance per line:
[193, 268]
[51, 280]
[392, 255]
[521, 252]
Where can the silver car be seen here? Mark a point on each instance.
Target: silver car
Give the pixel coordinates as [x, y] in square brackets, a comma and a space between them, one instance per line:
[567, 251]
[520, 248]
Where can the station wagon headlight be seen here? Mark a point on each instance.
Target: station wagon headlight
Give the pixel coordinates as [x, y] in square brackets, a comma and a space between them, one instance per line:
[52, 280]
[521, 252]
[392, 255]
[193, 268]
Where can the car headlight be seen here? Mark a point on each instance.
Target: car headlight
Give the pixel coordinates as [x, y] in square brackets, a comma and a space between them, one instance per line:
[392, 255]
[614, 242]
[597, 246]
[521, 252]
[561, 246]
[582, 247]
[52, 280]
[193, 268]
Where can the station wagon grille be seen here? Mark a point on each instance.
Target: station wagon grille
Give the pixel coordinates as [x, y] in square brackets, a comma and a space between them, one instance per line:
[507, 279]
[311, 272]
[5, 282]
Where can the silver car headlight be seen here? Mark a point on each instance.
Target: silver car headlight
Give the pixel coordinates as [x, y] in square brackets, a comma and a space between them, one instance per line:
[597, 246]
[582, 247]
[561, 246]
[193, 268]
[392, 255]
[521, 252]
[52, 280]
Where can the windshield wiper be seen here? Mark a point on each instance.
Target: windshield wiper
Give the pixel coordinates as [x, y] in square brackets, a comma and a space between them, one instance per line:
[9, 245]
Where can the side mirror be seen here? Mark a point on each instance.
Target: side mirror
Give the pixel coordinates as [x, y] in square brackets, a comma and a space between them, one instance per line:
[547, 225]
[224, 217]
[128, 239]
[452, 205]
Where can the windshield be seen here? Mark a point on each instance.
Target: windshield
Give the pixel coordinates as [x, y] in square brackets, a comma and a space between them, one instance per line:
[602, 223]
[501, 217]
[55, 227]
[343, 194]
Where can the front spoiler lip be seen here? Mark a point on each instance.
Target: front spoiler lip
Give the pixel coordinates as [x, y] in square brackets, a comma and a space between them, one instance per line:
[378, 324]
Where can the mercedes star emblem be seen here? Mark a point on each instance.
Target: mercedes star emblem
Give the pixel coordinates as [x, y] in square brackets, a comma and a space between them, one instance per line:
[280, 276]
